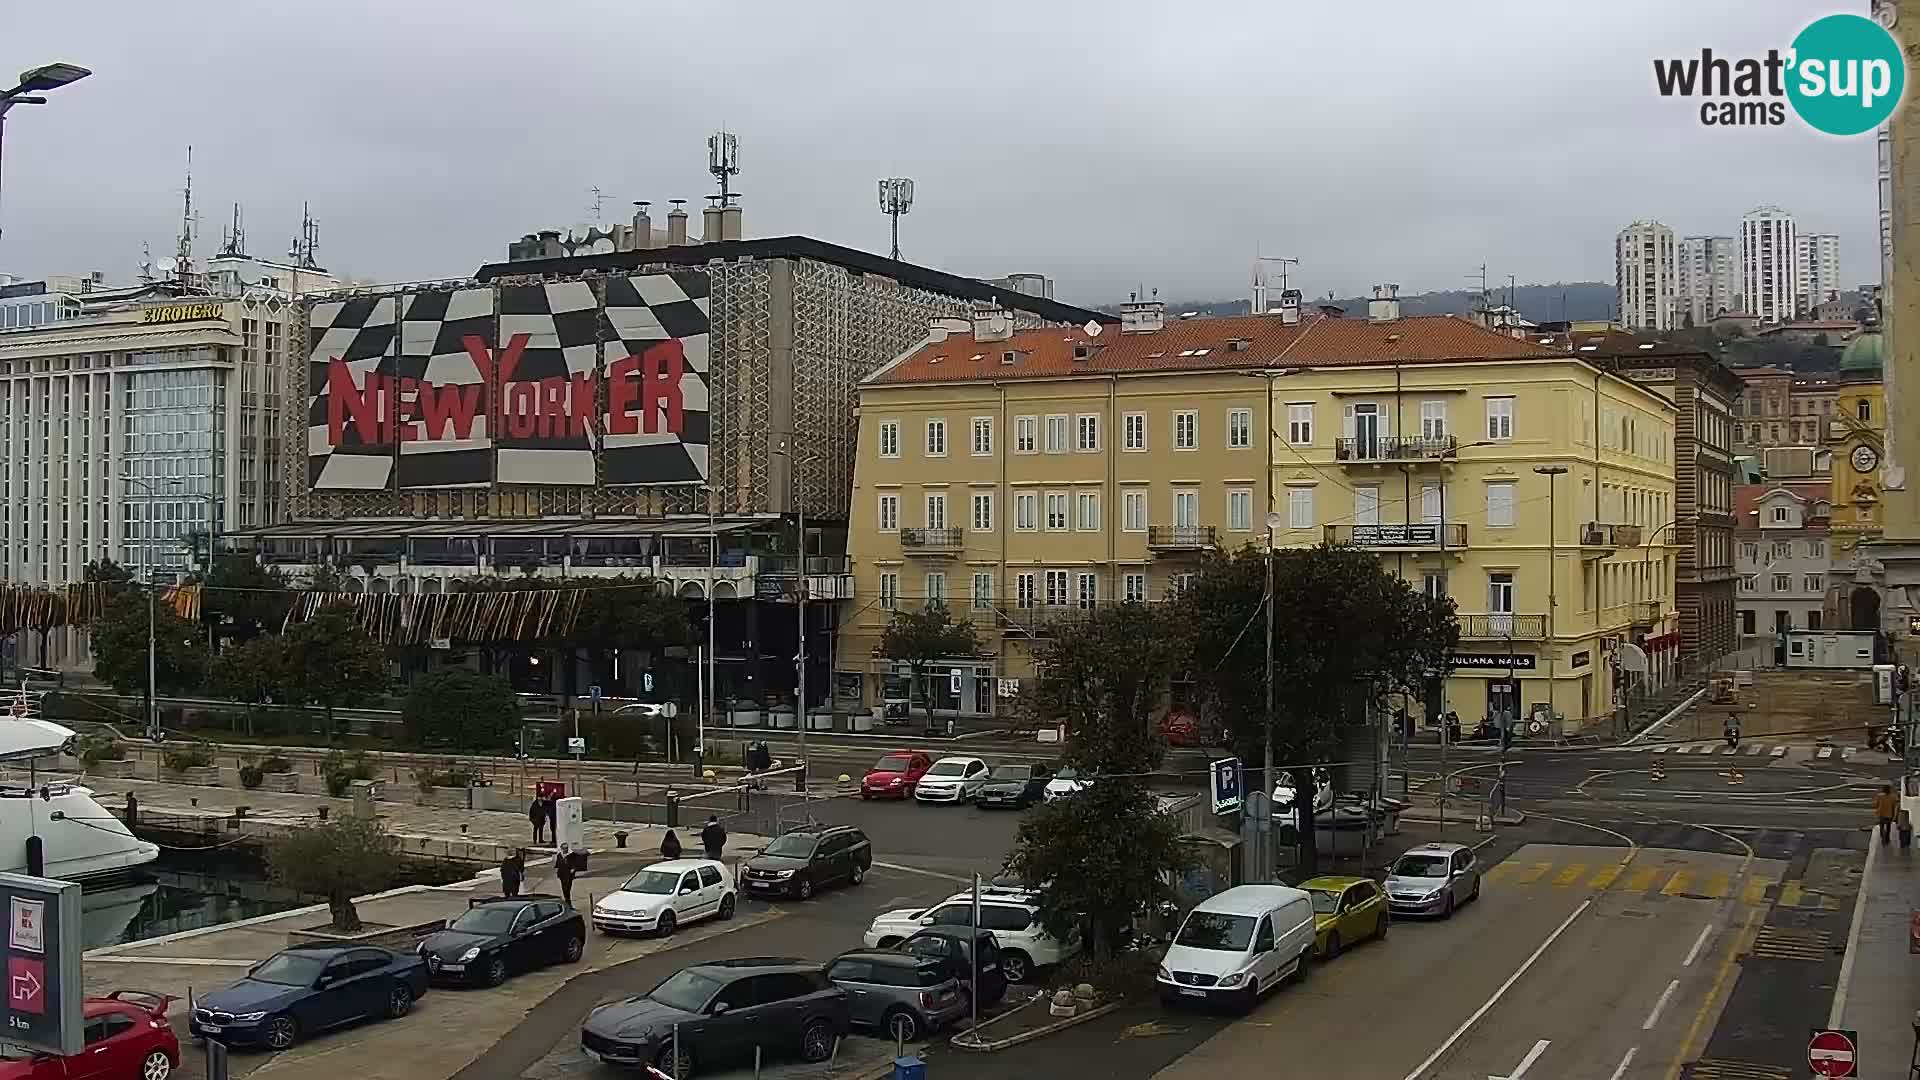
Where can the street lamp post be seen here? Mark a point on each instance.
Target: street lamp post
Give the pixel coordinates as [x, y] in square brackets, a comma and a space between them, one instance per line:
[153, 695]
[800, 571]
[33, 83]
[1553, 474]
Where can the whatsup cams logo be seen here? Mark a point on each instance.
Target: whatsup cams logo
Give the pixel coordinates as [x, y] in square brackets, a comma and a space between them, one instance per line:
[1843, 75]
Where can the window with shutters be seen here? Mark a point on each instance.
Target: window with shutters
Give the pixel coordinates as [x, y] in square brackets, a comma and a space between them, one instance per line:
[1026, 511]
[1300, 508]
[983, 436]
[889, 438]
[1025, 438]
[1186, 430]
[1239, 428]
[1186, 509]
[1500, 505]
[889, 590]
[1056, 511]
[1133, 511]
[936, 438]
[889, 513]
[982, 592]
[1057, 434]
[1430, 503]
[1240, 509]
[983, 511]
[936, 510]
[1300, 424]
[1087, 510]
[1500, 418]
[1133, 428]
[1433, 420]
[936, 589]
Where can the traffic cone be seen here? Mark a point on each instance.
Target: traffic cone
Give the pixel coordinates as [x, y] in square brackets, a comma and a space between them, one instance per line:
[1658, 772]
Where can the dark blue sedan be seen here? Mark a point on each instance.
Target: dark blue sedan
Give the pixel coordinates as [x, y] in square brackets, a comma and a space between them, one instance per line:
[304, 991]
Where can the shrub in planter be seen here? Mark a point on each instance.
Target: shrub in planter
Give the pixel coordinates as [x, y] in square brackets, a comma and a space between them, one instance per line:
[94, 749]
[339, 770]
[251, 776]
[191, 756]
[276, 763]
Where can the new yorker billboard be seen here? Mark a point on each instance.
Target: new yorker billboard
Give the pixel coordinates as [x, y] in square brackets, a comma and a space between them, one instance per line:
[600, 383]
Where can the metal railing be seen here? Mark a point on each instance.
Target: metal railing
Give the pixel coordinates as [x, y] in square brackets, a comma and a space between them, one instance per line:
[1502, 627]
[1393, 447]
[1182, 537]
[1647, 612]
[1602, 534]
[1417, 535]
[932, 539]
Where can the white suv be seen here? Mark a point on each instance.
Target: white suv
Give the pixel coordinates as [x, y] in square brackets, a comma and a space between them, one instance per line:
[1025, 946]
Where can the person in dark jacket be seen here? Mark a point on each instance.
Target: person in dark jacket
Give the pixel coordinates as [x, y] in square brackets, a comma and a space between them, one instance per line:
[537, 815]
[670, 847]
[563, 869]
[714, 837]
[512, 869]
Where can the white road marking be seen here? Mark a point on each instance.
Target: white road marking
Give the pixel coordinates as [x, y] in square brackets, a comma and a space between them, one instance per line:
[1526, 1063]
[923, 873]
[1659, 1006]
[1683, 749]
[1847, 752]
[1488, 1005]
[1694, 953]
[1621, 1069]
[1756, 748]
[1824, 753]
[1779, 751]
[1662, 748]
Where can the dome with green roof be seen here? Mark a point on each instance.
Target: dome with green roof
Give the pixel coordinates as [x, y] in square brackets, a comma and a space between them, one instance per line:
[1862, 353]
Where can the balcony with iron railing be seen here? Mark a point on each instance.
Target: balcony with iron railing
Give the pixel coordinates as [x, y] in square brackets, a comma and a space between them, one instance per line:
[1596, 534]
[1417, 536]
[932, 541]
[1173, 538]
[1499, 627]
[1648, 612]
[1373, 449]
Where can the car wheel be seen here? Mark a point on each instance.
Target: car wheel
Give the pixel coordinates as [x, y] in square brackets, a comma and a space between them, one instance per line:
[857, 875]
[966, 1002]
[1333, 946]
[1475, 895]
[1446, 909]
[1304, 966]
[1015, 966]
[726, 907]
[667, 922]
[156, 1067]
[816, 1041]
[1380, 931]
[804, 888]
[901, 1024]
[399, 1001]
[865, 795]
[576, 945]
[664, 1061]
[1250, 998]
[496, 971]
[282, 1032]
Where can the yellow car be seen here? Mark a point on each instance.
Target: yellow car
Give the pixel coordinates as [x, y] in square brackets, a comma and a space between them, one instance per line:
[1345, 910]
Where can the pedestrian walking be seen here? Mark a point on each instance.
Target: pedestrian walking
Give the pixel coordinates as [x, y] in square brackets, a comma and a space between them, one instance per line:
[553, 820]
[1885, 806]
[537, 815]
[512, 869]
[563, 869]
[714, 837]
[670, 846]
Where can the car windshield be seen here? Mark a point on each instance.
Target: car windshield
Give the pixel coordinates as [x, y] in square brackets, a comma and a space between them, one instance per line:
[792, 845]
[1325, 901]
[1424, 866]
[1067, 774]
[894, 763]
[494, 919]
[1215, 930]
[657, 882]
[688, 991]
[1012, 772]
[949, 767]
[289, 969]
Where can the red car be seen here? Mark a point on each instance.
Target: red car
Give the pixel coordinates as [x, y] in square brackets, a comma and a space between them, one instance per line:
[1180, 728]
[128, 1038]
[895, 775]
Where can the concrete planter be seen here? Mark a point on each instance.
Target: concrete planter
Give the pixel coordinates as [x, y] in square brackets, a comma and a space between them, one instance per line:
[113, 770]
[863, 722]
[205, 776]
[746, 717]
[280, 781]
[783, 721]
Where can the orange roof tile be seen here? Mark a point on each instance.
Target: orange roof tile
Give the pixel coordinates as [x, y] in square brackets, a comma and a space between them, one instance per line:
[1746, 497]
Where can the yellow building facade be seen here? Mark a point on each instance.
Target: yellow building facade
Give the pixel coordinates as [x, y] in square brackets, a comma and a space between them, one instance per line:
[1856, 436]
[1019, 479]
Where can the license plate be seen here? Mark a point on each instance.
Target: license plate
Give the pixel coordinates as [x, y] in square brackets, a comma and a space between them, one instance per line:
[453, 968]
[211, 1029]
[1193, 993]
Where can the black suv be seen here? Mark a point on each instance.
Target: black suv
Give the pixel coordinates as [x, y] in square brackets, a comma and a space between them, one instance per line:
[723, 1010]
[499, 935]
[809, 858]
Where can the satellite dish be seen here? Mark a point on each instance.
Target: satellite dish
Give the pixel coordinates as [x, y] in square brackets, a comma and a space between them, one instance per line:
[1274, 520]
[166, 265]
[1092, 328]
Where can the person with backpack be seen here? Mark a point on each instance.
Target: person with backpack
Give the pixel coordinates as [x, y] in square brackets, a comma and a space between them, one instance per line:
[714, 837]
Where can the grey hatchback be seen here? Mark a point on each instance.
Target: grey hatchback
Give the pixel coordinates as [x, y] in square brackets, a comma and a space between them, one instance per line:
[898, 993]
[1433, 879]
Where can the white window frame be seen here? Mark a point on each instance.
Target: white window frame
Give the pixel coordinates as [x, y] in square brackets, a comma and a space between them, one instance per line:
[982, 511]
[1366, 504]
[889, 512]
[1498, 508]
[1026, 434]
[1500, 591]
[982, 597]
[1299, 508]
[1086, 433]
[1086, 590]
[1500, 418]
[1240, 509]
[889, 438]
[983, 436]
[936, 444]
[889, 590]
[1433, 418]
[1239, 429]
[1188, 498]
[1300, 423]
[936, 588]
[1812, 583]
[1025, 590]
[1026, 511]
[1086, 511]
[1058, 583]
[1186, 429]
[1132, 500]
[1133, 427]
[1432, 504]
[1060, 425]
[1133, 588]
[935, 508]
[1782, 583]
[1065, 515]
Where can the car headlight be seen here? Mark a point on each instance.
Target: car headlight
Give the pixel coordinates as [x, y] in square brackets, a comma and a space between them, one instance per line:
[1233, 979]
[783, 873]
[251, 1017]
[1164, 973]
[470, 955]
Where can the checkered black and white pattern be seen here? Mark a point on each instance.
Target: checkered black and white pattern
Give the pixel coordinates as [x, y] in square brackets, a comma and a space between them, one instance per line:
[641, 312]
[434, 328]
[359, 333]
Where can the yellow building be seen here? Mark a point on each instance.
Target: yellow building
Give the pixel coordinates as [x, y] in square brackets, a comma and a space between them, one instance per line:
[1856, 435]
[1021, 476]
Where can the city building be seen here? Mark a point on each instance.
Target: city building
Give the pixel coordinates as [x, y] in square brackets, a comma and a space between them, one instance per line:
[1031, 284]
[1769, 241]
[1644, 276]
[1022, 476]
[1707, 278]
[1785, 554]
[1816, 268]
[1703, 391]
[1780, 408]
[1856, 438]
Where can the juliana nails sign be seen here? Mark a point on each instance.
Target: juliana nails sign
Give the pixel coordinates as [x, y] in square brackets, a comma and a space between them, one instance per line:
[166, 313]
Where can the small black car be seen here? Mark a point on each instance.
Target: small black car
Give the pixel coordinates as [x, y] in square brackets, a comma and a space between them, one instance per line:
[953, 946]
[500, 935]
[723, 1010]
[809, 858]
[1018, 786]
[299, 992]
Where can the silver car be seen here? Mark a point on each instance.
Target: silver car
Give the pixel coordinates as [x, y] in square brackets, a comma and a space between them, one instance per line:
[1433, 879]
[897, 993]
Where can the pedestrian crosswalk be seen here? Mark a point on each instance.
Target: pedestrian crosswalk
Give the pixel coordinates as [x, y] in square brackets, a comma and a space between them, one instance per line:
[1680, 882]
[1759, 749]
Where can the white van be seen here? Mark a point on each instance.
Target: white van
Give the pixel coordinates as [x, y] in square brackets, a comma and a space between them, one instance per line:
[1237, 945]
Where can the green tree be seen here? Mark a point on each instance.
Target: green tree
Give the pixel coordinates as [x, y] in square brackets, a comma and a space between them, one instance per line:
[323, 578]
[628, 615]
[244, 599]
[461, 708]
[338, 860]
[251, 672]
[107, 571]
[919, 637]
[1346, 630]
[332, 663]
[1107, 853]
[119, 642]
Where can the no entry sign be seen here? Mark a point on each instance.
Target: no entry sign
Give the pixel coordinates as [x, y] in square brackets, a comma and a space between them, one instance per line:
[1831, 1053]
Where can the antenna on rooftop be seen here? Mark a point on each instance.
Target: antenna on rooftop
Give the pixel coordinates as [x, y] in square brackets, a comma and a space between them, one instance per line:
[896, 198]
[723, 161]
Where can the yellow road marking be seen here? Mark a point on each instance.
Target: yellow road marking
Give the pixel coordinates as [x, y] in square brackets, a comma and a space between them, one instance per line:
[1534, 873]
[1643, 879]
[1571, 874]
[1498, 873]
[1790, 892]
[1682, 881]
[1718, 885]
[1687, 1051]
[1755, 892]
[1605, 877]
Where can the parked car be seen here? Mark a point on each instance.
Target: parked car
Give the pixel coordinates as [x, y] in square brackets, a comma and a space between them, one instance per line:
[895, 774]
[1025, 945]
[661, 897]
[127, 1038]
[497, 936]
[1433, 879]
[1066, 782]
[1018, 786]
[1345, 910]
[1238, 944]
[951, 779]
[303, 991]
[807, 859]
[1179, 727]
[953, 947]
[898, 993]
[722, 1010]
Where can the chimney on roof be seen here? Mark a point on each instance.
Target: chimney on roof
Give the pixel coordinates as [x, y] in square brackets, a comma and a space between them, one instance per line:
[677, 223]
[991, 322]
[642, 226]
[1142, 316]
[710, 221]
[1385, 305]
[939, 330]
[1289, 306]
[731, 222]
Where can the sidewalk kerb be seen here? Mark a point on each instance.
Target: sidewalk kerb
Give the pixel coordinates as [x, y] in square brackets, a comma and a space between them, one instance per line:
[1853, 934]
[1028, 1036]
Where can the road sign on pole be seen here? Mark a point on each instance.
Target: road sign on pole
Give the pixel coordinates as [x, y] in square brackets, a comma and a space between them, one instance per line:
[953, 679]
[1831, 1052]
[1225, 776]
[593, 692]
[44, 988]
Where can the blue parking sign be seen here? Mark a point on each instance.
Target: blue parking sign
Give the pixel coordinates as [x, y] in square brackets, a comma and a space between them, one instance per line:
[1226, 784]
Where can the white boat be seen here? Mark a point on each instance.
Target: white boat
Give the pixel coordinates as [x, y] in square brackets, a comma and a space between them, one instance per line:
[79, 839]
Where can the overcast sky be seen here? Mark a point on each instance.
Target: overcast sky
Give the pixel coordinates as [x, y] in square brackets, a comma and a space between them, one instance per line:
[1105, 144]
